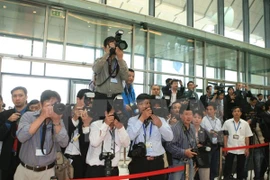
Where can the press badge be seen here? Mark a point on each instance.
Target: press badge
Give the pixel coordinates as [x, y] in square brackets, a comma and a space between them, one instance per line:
[235, 136]
[39, 152]
[149, 147]
[167, 97]
[113, 80]
[76, 137]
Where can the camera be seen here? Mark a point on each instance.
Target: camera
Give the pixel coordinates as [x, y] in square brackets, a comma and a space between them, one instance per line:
[197, 159]
[138, 150]
[59, 108]
[88, 100]
[121, 44]
[159, 107]
[107, 157]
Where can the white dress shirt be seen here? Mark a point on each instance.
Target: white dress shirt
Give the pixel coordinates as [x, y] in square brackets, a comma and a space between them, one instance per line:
[242, 130]
[135, 129]
[100, 132]
[209, 123]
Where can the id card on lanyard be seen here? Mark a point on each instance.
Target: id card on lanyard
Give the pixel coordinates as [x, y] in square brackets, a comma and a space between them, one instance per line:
[148, 144]
[236, 136]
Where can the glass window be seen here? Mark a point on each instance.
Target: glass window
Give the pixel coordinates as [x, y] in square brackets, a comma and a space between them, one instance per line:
[256, 23]
[257, 69]
[127, 58]
[37, 48]
[79, 54]
[140, 41]
[91, 31]
[139, 62]
[161, 78]
[15, 66]
[205, 15]
[56, 25]
[37, 68]
[169, 53]
[57, 70]
[220, 59]
[171, 10]
[35, 86]
[54, 51]
[15, 46]
[233, 19]
[138, 89]
[137, 6]
[22, 19]
[139, 77]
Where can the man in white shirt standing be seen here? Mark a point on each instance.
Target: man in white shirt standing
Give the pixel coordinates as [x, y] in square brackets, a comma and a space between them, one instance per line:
[107, 137]
[213, 125]
[237, 134]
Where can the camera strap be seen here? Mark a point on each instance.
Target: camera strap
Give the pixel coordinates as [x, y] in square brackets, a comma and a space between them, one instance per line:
[112, 132]
[116, 68]
[43, 130]
[187, 135]
[144, 130]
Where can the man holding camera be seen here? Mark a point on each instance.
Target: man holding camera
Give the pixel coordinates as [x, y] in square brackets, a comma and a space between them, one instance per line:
[9, 120]
[40, 133]
[110, 70]
[183, 146]
[77, 121]
[146, 131]
[106, 137]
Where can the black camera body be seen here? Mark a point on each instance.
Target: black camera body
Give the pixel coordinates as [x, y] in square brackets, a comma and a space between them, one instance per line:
[121, 44]
[138, 150]
[107, 157]
[88, 101]
[197, 158]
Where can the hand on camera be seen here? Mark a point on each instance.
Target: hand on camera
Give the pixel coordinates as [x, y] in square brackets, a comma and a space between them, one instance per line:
[156, 121]
[117, 124]
[14, 117]
[146, 114]
[119, 53]
[86, 119]
[109, 118]
[46, 111]
[189, 153]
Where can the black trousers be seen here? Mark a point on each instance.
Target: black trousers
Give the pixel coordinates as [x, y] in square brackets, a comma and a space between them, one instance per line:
[99, 171]
[241, 158]
[7, 174]
[140, 165]
[78, 164]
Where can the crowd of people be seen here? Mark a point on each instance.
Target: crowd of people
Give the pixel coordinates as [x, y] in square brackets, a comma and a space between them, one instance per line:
[170, 125]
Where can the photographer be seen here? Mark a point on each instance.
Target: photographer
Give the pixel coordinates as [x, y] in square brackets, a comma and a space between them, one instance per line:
[213, 126]
[146, 131]
[190, 93]
[174, 115]
[183, 146]
[174, 93]
[106, 137]
[9, 120]
[40, 133]
[77, 122]
[110, 70]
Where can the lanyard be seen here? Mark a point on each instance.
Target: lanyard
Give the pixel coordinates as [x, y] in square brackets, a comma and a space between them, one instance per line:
[210, 121]
[129, 95]
[144, 130]
[112, 132]
[114, 68]
[236, 128]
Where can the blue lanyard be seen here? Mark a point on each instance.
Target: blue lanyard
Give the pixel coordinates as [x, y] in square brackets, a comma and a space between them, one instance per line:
[150, 132]
[129, 95]
[236, 129]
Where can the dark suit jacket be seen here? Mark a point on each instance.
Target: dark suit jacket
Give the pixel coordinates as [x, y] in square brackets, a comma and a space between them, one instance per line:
[83, 139]
[7, 136]
[168, 94]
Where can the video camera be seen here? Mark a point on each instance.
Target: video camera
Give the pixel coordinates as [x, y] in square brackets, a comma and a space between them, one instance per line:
[107, 157]
[220, 88]
[121, 44]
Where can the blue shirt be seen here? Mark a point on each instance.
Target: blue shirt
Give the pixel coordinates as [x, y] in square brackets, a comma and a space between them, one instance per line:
[128, 97]
[183, 139]
[150, 134]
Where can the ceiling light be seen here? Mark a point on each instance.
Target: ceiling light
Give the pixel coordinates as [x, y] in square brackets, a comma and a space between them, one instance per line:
[34, 12]
[89, 26]
[4, 7]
